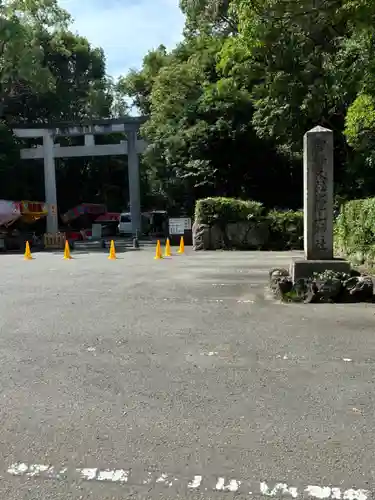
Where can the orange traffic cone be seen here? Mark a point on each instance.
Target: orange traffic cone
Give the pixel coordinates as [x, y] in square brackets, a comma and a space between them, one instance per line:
[167, 252]
[27, 255]
[182, 246]
[158, 254]
[67, 255]
[112, 251]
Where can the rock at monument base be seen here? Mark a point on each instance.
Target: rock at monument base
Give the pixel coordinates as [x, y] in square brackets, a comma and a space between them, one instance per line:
[357, 289]
[278, 272]
[280, 282]
[327, 286]
[302, 268]
[323, 290]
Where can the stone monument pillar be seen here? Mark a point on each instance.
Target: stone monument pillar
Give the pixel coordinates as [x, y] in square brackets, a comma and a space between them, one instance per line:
[318, 194]
[318, 207]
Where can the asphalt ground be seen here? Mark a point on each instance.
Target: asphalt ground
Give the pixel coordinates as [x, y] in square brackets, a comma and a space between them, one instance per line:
[179, 379]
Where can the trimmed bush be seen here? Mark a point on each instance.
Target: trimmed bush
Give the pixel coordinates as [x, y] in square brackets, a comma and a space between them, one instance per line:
[277, 230]
[225, 210]
[286, 230]
[354, 230]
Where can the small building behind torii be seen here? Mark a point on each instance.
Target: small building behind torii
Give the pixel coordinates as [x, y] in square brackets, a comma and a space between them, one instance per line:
[51, 150]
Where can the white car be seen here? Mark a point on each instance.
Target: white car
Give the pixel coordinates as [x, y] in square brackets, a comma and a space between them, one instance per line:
[125, 224]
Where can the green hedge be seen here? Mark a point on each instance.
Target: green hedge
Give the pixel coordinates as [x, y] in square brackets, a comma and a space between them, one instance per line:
[354, 230]
[286, 230]
[225, 210]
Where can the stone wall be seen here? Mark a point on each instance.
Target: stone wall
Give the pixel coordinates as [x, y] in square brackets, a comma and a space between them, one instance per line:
[239, 235]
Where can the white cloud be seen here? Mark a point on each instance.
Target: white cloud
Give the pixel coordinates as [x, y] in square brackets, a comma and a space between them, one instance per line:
[126, 29]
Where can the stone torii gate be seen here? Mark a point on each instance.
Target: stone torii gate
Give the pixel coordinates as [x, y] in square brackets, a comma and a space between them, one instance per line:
[51, 150]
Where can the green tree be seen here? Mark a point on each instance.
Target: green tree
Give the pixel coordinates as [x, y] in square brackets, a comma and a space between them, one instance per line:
[22, 65]
[137, 85]
[79, 86]
[209, 16]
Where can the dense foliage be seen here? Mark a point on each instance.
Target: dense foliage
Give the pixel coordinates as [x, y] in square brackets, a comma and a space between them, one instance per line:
[226, 210]
[355, 230]
[228, 107]
[286, 229]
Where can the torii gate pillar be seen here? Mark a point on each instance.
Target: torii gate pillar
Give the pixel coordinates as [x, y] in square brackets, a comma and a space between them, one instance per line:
[134, 184]
[50, 183]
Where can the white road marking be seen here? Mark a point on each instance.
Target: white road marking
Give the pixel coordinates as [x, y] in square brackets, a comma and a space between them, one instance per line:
[162, 478]
[347, 359]
[232, 486]
[148, 479]
[116, 476]
[18, 469]
[196, 482]
[220, 484]
[60, 474]
[88, 474]
[336, 493]
[123, 476]
[278, 488]
[37, 469]
[355, 494]
[319, 491]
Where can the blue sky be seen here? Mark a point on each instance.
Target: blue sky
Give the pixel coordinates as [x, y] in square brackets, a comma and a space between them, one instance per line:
[126, 29]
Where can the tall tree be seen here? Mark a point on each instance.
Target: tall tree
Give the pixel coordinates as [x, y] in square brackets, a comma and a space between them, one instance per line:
[137, 85]
[209, 16]
[22, 65]
[79, 82]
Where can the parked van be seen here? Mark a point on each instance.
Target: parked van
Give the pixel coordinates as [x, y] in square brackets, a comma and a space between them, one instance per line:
[125, 224]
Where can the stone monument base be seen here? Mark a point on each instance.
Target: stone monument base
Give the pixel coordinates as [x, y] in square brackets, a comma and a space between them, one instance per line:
[302, 268]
